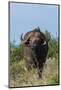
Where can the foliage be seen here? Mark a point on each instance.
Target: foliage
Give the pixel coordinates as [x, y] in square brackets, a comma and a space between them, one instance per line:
[16, 54]
[47, 35]
[52, 44]
[53, 48]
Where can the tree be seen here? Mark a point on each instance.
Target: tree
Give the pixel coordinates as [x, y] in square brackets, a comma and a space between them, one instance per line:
[48, 35]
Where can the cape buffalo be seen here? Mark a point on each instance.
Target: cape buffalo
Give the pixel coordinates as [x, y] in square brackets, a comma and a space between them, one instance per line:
[35, 49]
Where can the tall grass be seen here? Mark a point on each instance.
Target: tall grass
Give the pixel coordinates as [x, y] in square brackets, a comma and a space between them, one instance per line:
[20, 76]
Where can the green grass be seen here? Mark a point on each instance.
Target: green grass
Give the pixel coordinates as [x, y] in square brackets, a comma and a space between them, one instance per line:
[20, 76]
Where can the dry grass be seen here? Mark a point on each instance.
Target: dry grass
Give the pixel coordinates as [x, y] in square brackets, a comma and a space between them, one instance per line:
[19, 76]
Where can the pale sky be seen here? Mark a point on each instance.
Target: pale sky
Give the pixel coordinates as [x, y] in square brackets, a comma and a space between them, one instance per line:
[25, 17]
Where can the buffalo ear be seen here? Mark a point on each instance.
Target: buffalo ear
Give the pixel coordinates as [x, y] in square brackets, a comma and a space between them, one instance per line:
[27, 42]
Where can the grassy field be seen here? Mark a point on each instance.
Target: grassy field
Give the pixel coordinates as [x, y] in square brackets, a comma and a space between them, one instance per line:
[19, 76]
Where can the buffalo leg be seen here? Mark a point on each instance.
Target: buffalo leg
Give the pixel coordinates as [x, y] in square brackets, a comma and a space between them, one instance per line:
[41, 66]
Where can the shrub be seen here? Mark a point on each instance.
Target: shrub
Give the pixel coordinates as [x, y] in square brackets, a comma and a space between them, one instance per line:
[16, 54]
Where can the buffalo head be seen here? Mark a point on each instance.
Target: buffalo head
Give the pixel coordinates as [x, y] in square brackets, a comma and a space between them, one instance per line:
[33, 39]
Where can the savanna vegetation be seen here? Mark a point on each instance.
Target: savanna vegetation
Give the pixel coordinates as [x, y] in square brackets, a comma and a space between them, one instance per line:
[19, 75]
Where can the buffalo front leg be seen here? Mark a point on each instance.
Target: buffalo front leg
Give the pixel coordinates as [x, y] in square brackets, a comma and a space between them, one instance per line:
[40, 69]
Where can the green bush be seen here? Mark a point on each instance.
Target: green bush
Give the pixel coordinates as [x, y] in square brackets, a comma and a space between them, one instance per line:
[52, 44]
[16, 54]
[53, 48]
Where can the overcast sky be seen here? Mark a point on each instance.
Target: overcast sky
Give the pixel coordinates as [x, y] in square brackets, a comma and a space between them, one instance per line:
[25, 17]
